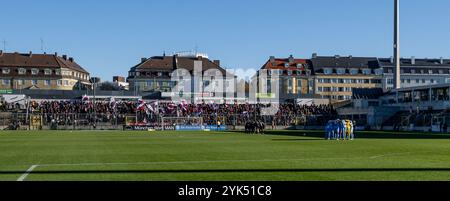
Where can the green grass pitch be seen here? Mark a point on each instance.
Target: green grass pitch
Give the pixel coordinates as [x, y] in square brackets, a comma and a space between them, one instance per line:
[223, 156]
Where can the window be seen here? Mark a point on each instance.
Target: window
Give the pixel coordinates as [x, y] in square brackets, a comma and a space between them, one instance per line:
[286, 65]
[59, 82]
[66, 82]
[430, 71]
[340, 71]
[47, 82]
[367, 71]
[47, 71]
[354, 71]
[34, 71]
[6, 82]
[34, 82]
[20, 82]
[327, 71]
[320, 89]
[57, 72]
[413, 71]
[289, 72]
[5, 70]
[299, 65]
[379, 71]
[22, 71]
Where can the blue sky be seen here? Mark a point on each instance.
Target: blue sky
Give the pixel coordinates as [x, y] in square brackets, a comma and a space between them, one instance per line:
[108, 37]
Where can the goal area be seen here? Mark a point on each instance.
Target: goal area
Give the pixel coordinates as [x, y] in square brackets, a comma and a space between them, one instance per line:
[182, 121]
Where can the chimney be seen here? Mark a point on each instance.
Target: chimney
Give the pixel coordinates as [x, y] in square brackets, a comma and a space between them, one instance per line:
[392, 60]
[337, 56]
[314, 55]
[413, 60]
[64, 57]
[200, 58]
[175, 61]
[31, 54]
[56, 54]
[71, 59]
[1, 53]
[442, 60]
[291, 59]
[272, 59]
[350, 56]
[217, 62]
[143, 59]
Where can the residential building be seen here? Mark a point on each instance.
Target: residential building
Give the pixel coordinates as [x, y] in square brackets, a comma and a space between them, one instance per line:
[41, 71]
[416, 72]
[293, 76]
[155, 75]
[337, 76]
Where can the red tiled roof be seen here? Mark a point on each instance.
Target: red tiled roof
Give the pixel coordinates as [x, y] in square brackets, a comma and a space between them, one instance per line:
[38, 61]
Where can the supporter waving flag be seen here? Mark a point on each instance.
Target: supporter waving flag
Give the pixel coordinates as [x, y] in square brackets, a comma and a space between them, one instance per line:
[184, 105]
[153, 107]
[141, 105]
[85, 99]
[112, 103]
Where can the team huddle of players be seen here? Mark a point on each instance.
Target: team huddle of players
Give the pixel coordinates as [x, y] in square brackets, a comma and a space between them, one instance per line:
[340, 130]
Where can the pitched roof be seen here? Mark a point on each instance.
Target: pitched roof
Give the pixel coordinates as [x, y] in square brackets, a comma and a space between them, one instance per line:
[280, 63]
[344, 62]
[170, 63]
[38, 61]
[386, 62]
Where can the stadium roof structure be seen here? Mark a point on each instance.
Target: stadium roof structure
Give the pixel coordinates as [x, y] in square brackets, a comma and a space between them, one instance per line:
[367, 93]
[39, 61]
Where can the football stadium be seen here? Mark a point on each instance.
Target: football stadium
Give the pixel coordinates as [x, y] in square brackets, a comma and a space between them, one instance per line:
[185, 116]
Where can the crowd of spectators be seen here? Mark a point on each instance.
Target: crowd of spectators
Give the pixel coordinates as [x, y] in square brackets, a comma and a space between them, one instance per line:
[70, 112]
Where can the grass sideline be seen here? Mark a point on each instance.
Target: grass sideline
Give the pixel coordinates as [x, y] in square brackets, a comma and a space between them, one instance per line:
[221, 156]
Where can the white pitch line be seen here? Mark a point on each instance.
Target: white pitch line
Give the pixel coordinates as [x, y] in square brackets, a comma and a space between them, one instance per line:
[25, 175]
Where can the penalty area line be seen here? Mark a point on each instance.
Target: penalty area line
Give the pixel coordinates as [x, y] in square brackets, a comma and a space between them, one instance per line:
[25, 175]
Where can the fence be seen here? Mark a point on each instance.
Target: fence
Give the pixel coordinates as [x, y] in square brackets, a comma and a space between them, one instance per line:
[107, 121]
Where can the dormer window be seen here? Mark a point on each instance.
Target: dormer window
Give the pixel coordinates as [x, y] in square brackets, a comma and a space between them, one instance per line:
[379, 71]
[354, 71]
[58, 72]
[340, 71]
[413, 71]
[5, 70]
[367, 71]
[299, 66]
[22, 71]
[286, 65]
[328, 71]
[160, 73]
[289, 72]
[47, 71]
[34, 71]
